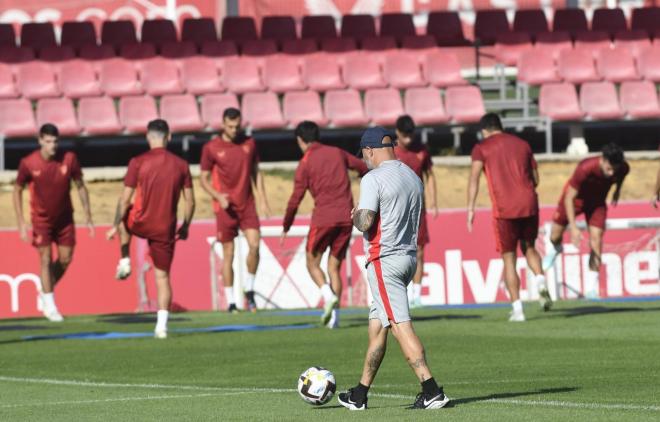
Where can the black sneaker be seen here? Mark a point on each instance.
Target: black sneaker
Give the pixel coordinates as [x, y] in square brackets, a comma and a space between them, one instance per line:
[346, 400]
[251, 304]
[232, 309]
[422, 401]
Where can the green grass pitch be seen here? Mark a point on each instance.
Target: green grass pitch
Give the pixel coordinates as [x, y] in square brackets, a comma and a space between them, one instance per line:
[584, 361]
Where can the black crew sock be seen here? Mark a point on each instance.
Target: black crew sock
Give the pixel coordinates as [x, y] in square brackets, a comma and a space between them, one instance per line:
[430, 387]
[250, 295]
[124, 250]
[359, 393]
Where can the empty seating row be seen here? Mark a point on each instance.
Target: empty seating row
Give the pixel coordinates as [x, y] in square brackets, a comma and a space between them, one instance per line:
[599, 101]
[341, 108]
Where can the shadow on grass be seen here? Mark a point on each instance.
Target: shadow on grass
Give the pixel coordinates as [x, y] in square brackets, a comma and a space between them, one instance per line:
[363, 322]
[595, 310]
[494, 396]
[22, 327]
[135, 318]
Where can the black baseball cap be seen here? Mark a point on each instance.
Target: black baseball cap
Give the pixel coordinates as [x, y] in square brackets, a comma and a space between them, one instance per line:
[373, 138]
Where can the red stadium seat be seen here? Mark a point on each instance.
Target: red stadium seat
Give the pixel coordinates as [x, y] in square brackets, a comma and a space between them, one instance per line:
[261, 110]
[57, 53]
[305, 105]
[338, 45]
[282, 73]
[616, 65]
[358, 26]
[78, 79]
[649, 63]
[419, 42]
[200, 76]
[344, 109]
[378, 43]
[97, 116]
[9, 54]
[647, 19]
[553, 43]
[181, 113]
[570, 20]
[559, 102]
[97, 52]
[258, 47]
[536, 67]
[178, 49]
[300, 47]
[510, 46]
[464, 104]
[530, 21]
[490, 24]
[238, 29]
[363, 72]
[425, 106]
[214, 105]
[599, 101]
[402, 70]
[576, 67]
[241, 75]
[278, 28]
[17, 119]
[60, 112]
[318, 27]
[592, 42]
[78, 34]
[7, 86]
[137, 51]
[635, 41]
[383, 106]
[118, 33]
[199, 30]
[447, 29]
[322, 73]
[119, 78]
[36, 80]
[161, 77]
[136, 112]
[219, 49]
[7, 35]
[639, 100]
[609, 20]
[158, 32]
[38, 35]
[397, 25]
[442, 70]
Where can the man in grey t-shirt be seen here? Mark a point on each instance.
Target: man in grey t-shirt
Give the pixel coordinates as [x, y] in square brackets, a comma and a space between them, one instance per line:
[388, 214]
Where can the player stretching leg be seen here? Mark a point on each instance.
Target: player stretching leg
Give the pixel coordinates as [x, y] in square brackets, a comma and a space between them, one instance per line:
[49, 173]
[157, 178]
[391, 199]
[230, 168]
[512, 176]
[417, 157]
[586, 192]
[323, 171]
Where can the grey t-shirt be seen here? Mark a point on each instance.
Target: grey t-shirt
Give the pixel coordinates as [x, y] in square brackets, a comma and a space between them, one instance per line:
[395, 193]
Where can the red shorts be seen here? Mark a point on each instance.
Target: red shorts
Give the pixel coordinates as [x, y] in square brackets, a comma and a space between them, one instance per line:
[595, 216]
[509, 231]
[161, 252]
[63, 235]
[230, 220]
[423, 232]
[337, 238]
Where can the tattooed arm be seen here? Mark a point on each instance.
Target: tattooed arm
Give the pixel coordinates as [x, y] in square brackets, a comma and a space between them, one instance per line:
[364, 215]
[363, 219]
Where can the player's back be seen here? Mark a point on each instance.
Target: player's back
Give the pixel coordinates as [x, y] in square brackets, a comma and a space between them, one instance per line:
[591, 184]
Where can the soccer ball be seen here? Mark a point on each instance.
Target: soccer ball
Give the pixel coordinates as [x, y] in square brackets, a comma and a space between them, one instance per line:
[317, 386]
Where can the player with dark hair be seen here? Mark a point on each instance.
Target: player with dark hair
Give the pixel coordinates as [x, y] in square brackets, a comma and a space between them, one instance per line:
[49, 173]
[230, 173]
[154, 183]
[512, 176]
[586, 193]
[323, 170]
[416, 156]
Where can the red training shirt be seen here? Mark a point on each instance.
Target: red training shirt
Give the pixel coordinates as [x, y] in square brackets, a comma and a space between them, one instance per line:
[591, 184]
[324, 171]
[508, 164]
[417, 157]
[158, 177]
[50, 185]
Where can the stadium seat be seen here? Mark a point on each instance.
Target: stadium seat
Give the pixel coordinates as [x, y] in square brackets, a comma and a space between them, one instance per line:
[322, 73]
[300, 47]
[358, 27]
[378, 43]
[397, 25]
[635, 41]
[442, 70]
[97, 116]
[559, 102]
[118, 33]
[576, 67]
[57, 53]
[647, 19]
[338, 45]
[199, 30]
[599, 101]
[36, 80]
[60, 112]
[609, 20]
[402, 70]
[9, 54]
[591, 42]
[7, 35]
[536, 67]
[530, 21]
[552, 43]
[258, 48]
[241, 75]
[200, 76]
[447, 29]
[97, 52]
[7, 86]
[181, 112]
[219, 48]
[178, 49]
[510, 46]
[363, 72]
[570, 20]
[318, 27]
[261, 110]
[158, 32]
[419, 42]
[344, 109]
[161, 77]
[136, 112]
[278, 28]
[78, 79]
[425, 106]
[214, 105]
[489, 24]
[17, 119]
[639, 100]
[137, 51]
[238, 29]
[383, 106]
[305, 105]
[464, 104]
[119, 78]
[38, 35]
[282, 73]
[78, 34]
[649, 63]
[616, 65]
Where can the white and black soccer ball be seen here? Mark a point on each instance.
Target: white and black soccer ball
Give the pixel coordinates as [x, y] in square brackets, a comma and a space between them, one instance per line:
[317, 385]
